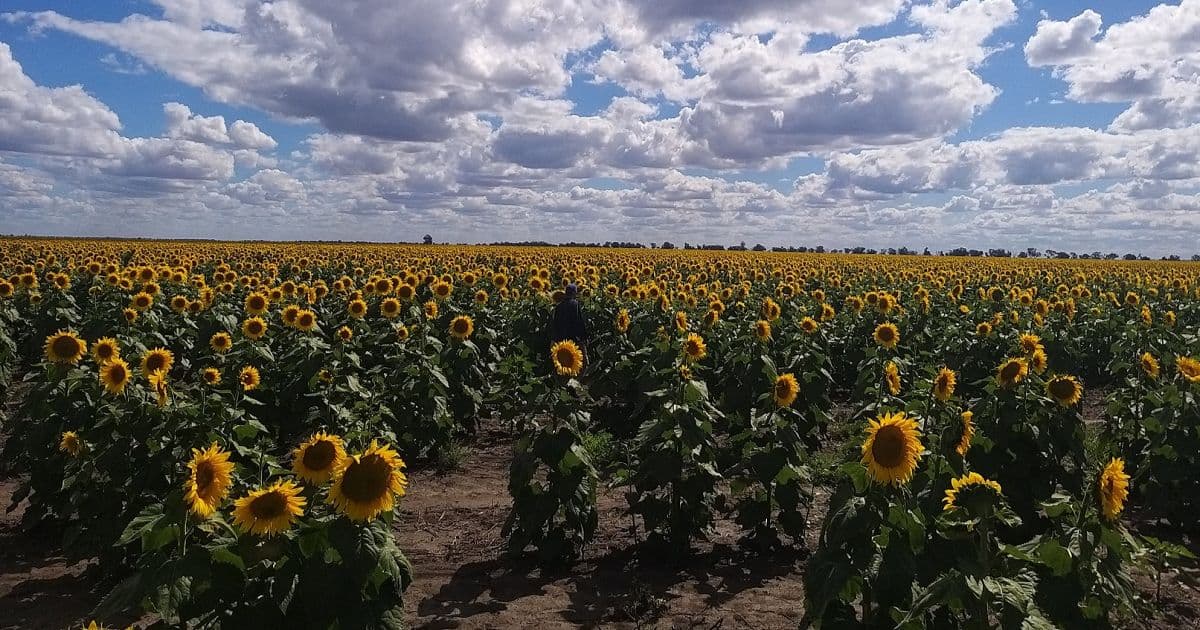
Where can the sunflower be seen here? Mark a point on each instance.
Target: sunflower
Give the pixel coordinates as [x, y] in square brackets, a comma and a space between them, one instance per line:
[809, 325]
[212, 376]
[712, 317]
[317, 459]
[130, 315]
[1030, 343]
[442, 290]
[431, 310]
[762, 330]
[289, 313]
[142, 301]
[892, 448]
[390, 308]
[157, 359]
[461, 327]
[622, 323]
[1011, 372]
[481, 297]
[681, 321]
[269, 511]
[963, 490]
[254, 328]
[1113, 488]
[1065, 389]
[1189, 368]
[115, 375]
[943, 384]
[1038, 360]
[208, 481]
[1150, 365]
[568, 359]
[69, 443]
[785, 390]
[306, 320]
[356, 308]
[694, 348]
[249, 378]
[158, 383]
[220, 342]
[106, 349]
[891, 374]
[402, 331]
[983, 329]
[367, 484]
[257, 304]
[968, 433]
[64, 347]
[887, 335]
[345, 334]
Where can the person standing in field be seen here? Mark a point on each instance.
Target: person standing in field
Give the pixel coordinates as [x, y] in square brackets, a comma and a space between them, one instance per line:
[568, 322]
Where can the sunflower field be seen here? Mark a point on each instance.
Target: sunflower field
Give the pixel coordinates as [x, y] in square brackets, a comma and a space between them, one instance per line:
[227, 426]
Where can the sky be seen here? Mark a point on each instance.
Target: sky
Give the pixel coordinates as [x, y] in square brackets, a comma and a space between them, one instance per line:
[1068, 125]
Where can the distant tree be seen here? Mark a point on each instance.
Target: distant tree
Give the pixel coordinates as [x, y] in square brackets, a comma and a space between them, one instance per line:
[667, 245]
[820, 249]
[759, 248]
[1130, 256]
[427, 239]
[1195, 257]
[926, 252]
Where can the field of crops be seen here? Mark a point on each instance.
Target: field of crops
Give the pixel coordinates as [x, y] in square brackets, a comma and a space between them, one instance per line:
[233, 431]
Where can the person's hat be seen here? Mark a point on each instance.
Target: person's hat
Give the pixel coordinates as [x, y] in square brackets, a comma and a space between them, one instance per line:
[572, 289]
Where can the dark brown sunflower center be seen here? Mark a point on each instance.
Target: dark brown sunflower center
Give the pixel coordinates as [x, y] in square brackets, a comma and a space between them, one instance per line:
[270, 505]
[155, 362]
[783, 389]
[566, 358]
[204, 476]
[886, 335]
[319, 456]
[305, 320]
[104, 351]
[1062, 389]
[367, 479]
[117, 373]
[888, 447]
[1010, 371]
[460, 326]
[65, 347]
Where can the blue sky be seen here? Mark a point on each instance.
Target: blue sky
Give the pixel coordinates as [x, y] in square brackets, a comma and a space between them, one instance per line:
[939, 123]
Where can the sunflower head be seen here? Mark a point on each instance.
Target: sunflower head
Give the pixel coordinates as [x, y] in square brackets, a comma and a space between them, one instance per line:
[974, 494]
[461, 327]
[212, 376]
[249, 378]
[1188, 368]
[115, 375]
[367, 484]
[157, 359]
[289, 314]
[762, 330]
[70, 444]
[402, 332]
[785, 391]
[809, 325]
[694, 348]
[1113, 488]
[891, 375]
[887, 335]
[892, 448]
[105, 349]
[254, 328]
[943, 384]
[220, 342]
[390, 308]
[431, 310]
[1011, 372]
[269, 511]
[567, 358]
[306, 320]
[983, 329]
[1030, 343]
[622, 323]
[65, 348]
[318, 458]
[1150, 366]
[257, 303]
[345, 334]
[968, 433]
[1064, 389]
[142, 301]
[209, 479]
[1038, 361]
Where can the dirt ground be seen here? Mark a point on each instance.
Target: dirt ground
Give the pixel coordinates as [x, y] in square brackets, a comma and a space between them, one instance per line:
[449, 524]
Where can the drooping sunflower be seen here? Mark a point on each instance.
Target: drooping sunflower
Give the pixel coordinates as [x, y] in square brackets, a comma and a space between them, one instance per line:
[887, 335]
[968, 433]
[220, 342]
[65, 348]
[70, 444]
[1011, 372]
[306, 320]
[269, 511]
[944, 383]
[249, 378]
[762, 330]
[694, 348]
[1038, 361]
[1065, 389]
[622, 323]
[1150, 366]
[115, 375]
[158, 384]
[461, 327]
[367, 484]
[970, 489]
[254, 328]
[318, 458]
[568, 359]
[209, 480]
[892, 448]
[785, 391]
[212, 376]
[157, 359]
[1113, 488]
[809, 325]
[1189, 368]
[105, 349]
[891, 375]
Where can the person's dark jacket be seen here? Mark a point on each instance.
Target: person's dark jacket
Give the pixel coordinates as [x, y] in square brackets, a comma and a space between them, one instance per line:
[568, 322]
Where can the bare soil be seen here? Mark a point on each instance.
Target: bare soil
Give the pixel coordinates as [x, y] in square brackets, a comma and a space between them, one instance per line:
[450, 527]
